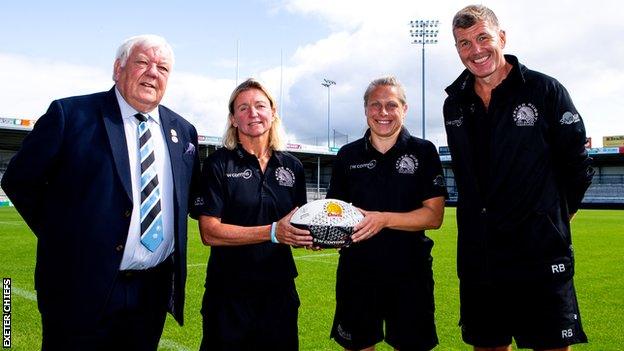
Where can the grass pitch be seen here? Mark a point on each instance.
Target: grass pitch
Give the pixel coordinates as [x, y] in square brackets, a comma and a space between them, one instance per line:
[599, 248]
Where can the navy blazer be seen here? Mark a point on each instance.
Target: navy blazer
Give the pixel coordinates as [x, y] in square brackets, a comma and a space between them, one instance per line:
[70, 181]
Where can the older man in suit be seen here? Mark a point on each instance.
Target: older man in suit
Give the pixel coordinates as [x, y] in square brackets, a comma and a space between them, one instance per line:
[104, 181]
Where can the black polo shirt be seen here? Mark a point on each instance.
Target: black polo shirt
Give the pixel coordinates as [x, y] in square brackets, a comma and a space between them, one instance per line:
[235, 190]
[397, 181]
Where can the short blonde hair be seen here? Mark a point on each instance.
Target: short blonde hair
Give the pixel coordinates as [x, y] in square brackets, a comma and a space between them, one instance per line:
[385, 81]
[276, 133]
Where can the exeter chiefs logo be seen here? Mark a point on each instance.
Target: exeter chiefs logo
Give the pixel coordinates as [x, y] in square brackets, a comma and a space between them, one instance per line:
[439, 181]
[333, 209]
[199, 201]
[569, 118]
[407, 164]
[285, 177]
[525, 115]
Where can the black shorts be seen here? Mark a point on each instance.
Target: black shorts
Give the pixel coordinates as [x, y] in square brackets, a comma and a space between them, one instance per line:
[251, 319]
[404, 303]
[539, 315]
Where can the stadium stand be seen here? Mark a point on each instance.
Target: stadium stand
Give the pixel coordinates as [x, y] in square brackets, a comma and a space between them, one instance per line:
[606, 191]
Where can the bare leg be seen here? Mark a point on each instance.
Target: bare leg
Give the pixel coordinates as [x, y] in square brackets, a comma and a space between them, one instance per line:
[370, 348]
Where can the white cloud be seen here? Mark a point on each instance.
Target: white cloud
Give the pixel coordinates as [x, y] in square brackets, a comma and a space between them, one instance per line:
[201, 100]
[29, 85]
[579, 44]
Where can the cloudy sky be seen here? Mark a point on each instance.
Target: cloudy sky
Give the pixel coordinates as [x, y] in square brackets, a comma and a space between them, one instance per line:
[53, 49]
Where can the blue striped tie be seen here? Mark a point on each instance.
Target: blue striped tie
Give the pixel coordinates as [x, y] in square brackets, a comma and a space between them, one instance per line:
[151, 216]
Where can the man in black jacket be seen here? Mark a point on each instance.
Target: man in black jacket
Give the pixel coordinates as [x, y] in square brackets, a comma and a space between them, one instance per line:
[521, 168]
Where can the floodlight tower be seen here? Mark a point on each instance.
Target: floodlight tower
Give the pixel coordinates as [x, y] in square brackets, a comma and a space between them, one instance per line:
[328, 83]
[424, 32]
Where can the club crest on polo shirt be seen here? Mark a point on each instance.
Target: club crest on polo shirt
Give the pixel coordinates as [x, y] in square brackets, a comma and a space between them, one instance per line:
[368, 165]
[525, 115]
[285, 177]
[246, 174]
[407, 164]
[439, 181]
[199, 201]
[569, 118]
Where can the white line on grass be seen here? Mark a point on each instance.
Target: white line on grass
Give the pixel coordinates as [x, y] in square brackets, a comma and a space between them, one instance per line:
[312, 259]
[197, 264]
[317, 255]
[12, 222]
[165, 343]
[28, 295]
[303, 257]
[172, 345]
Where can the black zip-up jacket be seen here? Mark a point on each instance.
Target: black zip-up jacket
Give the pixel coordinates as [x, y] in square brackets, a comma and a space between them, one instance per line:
[521, 168]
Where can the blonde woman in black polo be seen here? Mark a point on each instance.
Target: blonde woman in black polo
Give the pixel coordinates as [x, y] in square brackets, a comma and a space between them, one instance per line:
[250, 190]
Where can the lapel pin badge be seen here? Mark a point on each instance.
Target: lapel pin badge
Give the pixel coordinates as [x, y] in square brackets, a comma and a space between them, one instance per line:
[174, 136]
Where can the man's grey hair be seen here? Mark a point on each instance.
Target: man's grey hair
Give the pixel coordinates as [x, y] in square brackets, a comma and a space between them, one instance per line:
[471, 14]
[388, 81]
[146, 40]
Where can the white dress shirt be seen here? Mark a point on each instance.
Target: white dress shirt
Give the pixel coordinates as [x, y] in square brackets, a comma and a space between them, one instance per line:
[136, 256]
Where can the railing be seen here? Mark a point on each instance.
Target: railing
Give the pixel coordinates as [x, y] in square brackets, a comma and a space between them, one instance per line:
[608, 179]
[315, 193]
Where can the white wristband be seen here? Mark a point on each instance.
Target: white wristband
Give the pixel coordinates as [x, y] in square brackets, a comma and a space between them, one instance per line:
[273, 234]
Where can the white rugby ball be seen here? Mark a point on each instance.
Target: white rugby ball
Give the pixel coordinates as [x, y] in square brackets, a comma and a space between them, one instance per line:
[329, 221]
